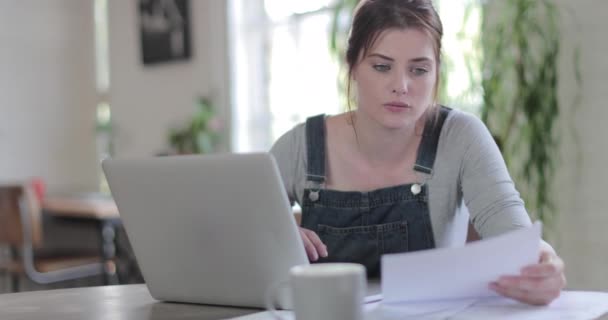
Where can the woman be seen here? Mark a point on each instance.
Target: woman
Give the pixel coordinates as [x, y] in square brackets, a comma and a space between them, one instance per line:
[390, 175]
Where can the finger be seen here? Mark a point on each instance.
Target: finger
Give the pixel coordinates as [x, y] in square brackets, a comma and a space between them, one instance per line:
[533, 284]
[534, 298]
[311, 251]
[546, 256]
[316, 241]
[542, 270]
[550, 267]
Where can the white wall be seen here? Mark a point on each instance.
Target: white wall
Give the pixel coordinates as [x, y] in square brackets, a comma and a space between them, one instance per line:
[147, 101]
[48, 96]
[582, 177]
[47, 92]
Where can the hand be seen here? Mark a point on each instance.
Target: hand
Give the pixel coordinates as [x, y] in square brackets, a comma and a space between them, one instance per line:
[313, 244]
[538, 284]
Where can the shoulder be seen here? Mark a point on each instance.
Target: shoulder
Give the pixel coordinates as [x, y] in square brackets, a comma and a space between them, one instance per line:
[294, 140]
[290, 154]
[465, 139]
[462, 129]
[463, 122]
[294, 134]
[291, 144]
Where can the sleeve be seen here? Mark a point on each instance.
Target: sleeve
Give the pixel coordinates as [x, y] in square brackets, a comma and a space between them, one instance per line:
[494, 204]
[287, 154]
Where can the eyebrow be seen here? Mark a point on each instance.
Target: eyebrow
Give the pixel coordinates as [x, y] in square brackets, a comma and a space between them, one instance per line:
[419, 59]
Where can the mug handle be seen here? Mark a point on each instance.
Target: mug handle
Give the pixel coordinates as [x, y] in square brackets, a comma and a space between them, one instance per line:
[270, 298]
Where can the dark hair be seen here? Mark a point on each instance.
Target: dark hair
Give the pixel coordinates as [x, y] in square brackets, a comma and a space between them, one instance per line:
[372, 17]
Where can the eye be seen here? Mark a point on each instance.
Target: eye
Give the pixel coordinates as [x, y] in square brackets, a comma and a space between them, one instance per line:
[419, 71]
[382, 67]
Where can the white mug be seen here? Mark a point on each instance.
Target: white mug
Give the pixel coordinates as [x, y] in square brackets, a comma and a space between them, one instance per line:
[324, 291]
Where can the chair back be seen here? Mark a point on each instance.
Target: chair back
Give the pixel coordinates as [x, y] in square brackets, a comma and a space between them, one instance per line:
[19, 216]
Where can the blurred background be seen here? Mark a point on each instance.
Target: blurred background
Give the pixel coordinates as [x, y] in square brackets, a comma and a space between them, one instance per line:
[81, 80]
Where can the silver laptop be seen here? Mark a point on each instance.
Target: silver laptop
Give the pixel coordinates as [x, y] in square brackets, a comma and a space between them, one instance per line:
[214, 229]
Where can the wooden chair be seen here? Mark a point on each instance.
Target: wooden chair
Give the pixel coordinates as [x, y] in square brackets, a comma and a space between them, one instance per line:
[21, 230]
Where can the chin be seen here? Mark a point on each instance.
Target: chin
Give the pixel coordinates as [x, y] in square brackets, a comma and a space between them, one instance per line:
[400, 121]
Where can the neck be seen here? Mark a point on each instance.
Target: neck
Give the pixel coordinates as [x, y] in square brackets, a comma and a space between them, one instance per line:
[379, 145]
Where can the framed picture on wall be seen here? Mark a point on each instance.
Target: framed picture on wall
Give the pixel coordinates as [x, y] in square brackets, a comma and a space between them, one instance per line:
[165, 30]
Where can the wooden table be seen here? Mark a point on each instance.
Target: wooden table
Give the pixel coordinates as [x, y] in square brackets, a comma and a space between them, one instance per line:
[126, 302]
[81, 206]
[100, 208]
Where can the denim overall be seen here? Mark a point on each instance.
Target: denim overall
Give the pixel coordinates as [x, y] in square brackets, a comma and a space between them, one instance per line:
[362, 226]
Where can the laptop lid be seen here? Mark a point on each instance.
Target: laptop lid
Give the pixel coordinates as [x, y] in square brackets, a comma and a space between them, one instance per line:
[213, 229]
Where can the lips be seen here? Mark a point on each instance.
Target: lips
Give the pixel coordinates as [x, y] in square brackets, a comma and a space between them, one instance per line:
[397, 104]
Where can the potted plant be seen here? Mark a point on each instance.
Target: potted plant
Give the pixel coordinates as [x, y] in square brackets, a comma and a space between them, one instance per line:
[201, 134]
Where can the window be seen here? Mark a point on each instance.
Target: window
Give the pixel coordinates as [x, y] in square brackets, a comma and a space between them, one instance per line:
[102, 80]
[282, 66]
[462, 53]
[283, 71]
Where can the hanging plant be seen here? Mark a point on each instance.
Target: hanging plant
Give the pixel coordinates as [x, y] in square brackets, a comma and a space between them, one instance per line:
[521, 47]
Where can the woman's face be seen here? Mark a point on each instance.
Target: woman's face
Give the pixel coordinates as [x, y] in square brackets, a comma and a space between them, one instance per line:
[395, 81]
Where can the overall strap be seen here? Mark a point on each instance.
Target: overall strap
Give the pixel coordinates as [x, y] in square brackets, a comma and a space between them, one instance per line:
[430, 139]
[315, 148]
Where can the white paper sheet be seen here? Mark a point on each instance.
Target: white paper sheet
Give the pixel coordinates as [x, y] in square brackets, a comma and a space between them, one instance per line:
[458, 273]
[418, 310]
[571, 305]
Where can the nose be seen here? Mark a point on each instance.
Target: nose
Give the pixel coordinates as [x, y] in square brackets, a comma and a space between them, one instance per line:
[400, 85]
